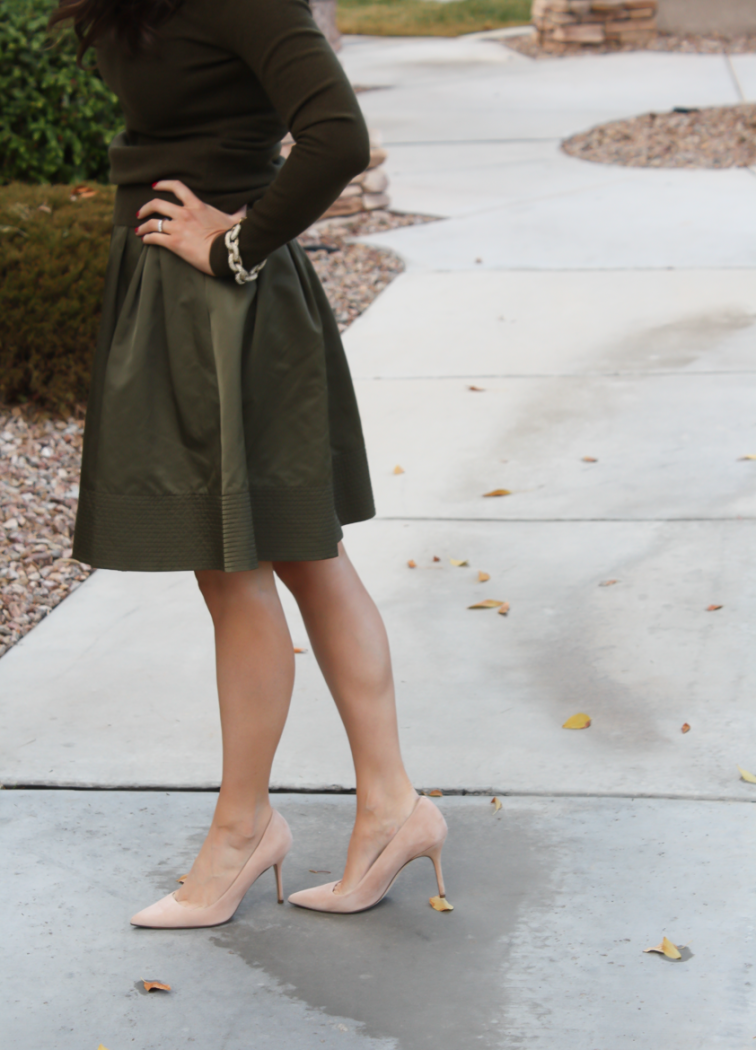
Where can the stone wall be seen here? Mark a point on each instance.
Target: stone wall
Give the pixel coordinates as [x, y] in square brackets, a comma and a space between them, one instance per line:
[324, 13]
[590, 22]
[366, 192]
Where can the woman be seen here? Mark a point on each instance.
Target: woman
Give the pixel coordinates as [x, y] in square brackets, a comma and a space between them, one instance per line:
[222, 432]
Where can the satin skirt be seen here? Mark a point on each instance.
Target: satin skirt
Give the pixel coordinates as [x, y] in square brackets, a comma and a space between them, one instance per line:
[222, 428]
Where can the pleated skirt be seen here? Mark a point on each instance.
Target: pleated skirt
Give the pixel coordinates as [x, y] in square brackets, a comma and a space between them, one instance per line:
[222, 427]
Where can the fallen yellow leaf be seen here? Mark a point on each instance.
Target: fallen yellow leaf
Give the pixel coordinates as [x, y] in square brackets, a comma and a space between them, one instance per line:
[488, 603]
[319, 871]
[459, 562]
[503, 608]
[483, 577]
[398, 469]
[578, 721]
[749, 777]
[101, 1047]
[498, 492]
[751, 455]
[665, 948]
[496, 804]
[713, 608]
[589, 459]
[412, 564]
[156, 986]
[440, 904]
[182, 878]
[608, 583]
[477, 389]
[298, 650]
[685, 728]
[436, 793]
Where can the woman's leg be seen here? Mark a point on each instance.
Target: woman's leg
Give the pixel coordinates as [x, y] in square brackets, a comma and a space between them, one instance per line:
[351, 647]
[255, 673]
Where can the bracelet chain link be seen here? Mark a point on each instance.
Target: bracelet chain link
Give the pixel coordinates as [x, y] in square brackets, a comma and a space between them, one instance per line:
[241, 275]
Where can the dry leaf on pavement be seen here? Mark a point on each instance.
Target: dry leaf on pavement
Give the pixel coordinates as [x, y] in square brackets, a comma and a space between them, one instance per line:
[748, 777]
[398, 469]
[458, 562]
[503, 609]
[156, 986]
[685, 728]
[578, 721]
[298, 650]
[608, 583]
[498, 492]
[751, 455]
[319, 871]
[440, 904]
[477, 389]
[436, 558]
[488, 603]
[665, 948]
[436, 793]
[589, 459]
[713, 608]
[496, 804]
[182, 878]
[483, 577]
[412, 564]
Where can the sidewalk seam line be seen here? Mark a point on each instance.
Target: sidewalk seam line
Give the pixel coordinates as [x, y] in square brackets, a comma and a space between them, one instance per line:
[342, 791]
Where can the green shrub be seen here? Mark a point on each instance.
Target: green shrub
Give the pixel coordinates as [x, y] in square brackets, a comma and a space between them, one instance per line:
[56, 120]
[53, 254]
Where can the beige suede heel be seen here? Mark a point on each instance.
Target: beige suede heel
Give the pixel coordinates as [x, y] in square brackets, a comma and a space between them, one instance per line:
[270, 852]
[422, 835]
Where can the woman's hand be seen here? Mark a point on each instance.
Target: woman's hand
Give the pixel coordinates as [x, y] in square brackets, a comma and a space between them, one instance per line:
[189, 230]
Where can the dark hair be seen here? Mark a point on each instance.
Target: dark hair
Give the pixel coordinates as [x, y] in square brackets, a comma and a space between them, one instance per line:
[133, 21]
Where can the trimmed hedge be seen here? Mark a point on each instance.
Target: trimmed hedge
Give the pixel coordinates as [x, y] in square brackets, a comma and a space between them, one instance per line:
[53, 254]
[56, 120]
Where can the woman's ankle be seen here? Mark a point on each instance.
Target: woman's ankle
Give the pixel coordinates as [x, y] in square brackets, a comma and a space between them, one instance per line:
[241, 825]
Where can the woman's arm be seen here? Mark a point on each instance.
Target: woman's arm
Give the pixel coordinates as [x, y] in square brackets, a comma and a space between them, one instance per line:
[309, 90]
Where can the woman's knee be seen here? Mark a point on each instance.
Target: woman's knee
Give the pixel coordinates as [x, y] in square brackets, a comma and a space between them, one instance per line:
[221, 589]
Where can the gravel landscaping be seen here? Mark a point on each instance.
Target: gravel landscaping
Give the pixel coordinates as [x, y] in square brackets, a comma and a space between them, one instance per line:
[711, 44]
[41, 456]
[719, 137]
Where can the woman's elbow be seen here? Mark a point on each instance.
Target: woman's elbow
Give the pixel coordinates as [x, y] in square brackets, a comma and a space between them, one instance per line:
[352, 153]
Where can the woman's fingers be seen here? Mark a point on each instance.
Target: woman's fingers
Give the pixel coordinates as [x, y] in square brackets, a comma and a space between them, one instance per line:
[152, 227]
[161, 207]
[178, 189]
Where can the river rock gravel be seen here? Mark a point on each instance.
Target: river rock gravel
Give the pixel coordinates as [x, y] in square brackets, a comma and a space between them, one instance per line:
[716, 137]
[40, 457]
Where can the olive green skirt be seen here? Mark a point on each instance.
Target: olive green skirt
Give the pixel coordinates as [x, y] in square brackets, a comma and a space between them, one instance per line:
[222, 428]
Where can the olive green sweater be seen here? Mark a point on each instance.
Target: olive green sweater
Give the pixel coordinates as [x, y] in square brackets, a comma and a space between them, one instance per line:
[209, 104]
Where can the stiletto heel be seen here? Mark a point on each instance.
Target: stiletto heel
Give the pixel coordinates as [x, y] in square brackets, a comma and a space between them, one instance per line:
[279, 881]
[422, 835]
[270, 852]
[435, 856]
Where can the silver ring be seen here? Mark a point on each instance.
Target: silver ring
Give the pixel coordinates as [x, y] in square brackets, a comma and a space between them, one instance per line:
[160, 225]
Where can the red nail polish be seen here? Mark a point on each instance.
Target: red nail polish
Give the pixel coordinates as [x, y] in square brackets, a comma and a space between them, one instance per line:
[154, 185]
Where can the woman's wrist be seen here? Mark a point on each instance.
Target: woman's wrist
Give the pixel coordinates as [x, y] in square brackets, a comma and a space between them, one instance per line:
[219, 257]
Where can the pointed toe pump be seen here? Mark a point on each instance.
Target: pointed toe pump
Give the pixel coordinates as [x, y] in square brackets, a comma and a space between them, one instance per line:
[270, 852]
[422, 835]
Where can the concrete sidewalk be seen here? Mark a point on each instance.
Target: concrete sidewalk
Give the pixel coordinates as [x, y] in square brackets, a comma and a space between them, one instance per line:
[611, 316]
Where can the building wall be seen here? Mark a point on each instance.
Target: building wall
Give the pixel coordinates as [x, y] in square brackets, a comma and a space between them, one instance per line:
[729, 17]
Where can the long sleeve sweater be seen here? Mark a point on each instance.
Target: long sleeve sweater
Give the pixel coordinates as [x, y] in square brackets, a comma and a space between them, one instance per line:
[209, 103]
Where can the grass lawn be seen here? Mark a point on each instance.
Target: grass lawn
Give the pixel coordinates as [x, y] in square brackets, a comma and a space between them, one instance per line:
[429, 17]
